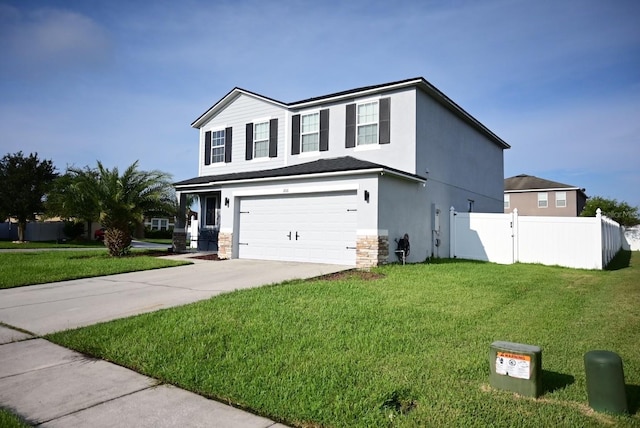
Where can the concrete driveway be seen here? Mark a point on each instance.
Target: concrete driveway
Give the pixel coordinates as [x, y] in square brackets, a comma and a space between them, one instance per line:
[46, 308]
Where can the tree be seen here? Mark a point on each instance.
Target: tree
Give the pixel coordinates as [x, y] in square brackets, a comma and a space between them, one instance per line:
[24, 181]
[620, 212]
[67, 199]
[123, 201]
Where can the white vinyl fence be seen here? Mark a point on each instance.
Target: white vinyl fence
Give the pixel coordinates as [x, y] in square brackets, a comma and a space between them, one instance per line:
[577, 242]
[35, 231]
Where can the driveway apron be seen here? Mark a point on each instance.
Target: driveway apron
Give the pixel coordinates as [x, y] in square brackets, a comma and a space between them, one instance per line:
[47, 308]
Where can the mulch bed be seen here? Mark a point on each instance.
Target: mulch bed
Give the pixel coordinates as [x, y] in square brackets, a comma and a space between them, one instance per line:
[207, 257]
[352, 274]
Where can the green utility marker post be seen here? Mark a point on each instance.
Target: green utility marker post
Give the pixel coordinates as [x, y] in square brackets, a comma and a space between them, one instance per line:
[516, 367]
[605, 382]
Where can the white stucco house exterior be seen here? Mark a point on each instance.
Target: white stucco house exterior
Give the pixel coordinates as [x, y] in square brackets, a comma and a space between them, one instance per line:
[339, 178]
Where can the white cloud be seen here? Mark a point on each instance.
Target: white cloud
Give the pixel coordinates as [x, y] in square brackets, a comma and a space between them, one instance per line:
[42, 42]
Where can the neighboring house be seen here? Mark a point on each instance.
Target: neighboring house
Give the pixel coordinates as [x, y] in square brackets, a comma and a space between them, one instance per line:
[537, 196]
[158, 223]
[339, 178]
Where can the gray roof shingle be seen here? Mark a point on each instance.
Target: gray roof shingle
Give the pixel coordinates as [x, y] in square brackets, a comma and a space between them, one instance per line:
[341, 164]
[530, 182]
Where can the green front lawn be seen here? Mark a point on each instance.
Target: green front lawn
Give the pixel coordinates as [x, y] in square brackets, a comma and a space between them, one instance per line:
[10, 420]
[408, 349]
[9, 245]
[38, 267]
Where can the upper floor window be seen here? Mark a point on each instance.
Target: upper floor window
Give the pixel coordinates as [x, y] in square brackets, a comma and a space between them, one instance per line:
[543, 201]
[561, 199]
[367, 123]
[310, 132]
[507, 201]
[217, 146]
[261, 140]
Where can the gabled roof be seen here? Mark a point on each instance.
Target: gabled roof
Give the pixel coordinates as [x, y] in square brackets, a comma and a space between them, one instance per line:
[346, 164]
[418, 82]
[524, 182]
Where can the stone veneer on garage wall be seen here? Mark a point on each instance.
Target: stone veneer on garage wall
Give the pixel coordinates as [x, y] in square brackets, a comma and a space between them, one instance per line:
[371, 250]
[224, 245]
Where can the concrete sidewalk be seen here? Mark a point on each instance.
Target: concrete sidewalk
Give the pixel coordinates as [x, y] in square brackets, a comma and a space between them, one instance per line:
[53, 386]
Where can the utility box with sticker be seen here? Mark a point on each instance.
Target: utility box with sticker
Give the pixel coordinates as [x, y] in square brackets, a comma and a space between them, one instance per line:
[516, 367]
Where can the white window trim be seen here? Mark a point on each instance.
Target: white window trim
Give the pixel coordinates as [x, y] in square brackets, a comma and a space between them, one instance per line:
[545, 200]
[377, 122]
[160, 222]
[507, 201]
[309, 133]
[563, 199]
[255, 124]
[224, 136]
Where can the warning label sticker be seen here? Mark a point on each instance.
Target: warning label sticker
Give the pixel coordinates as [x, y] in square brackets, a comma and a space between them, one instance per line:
[514, 365]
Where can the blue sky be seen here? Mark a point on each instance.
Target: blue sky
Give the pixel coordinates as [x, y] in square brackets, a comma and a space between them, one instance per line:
[119, 81]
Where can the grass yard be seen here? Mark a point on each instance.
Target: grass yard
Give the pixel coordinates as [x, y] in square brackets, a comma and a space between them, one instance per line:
[9, 245]
[167, 242]
[38, 267]
[402, 346]
[10, 420]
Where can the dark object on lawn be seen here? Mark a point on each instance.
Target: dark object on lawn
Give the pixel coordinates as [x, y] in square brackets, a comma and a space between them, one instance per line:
[605, 382]
[98, 235]
[403, 249]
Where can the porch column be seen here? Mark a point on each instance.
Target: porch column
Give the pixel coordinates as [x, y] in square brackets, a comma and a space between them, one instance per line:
[179, 229]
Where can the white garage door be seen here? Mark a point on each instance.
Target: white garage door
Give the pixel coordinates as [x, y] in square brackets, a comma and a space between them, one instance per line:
[318, 228]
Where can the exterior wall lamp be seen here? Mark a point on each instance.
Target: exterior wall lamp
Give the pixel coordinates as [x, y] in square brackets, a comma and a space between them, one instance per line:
[366, 196]
[226, 202]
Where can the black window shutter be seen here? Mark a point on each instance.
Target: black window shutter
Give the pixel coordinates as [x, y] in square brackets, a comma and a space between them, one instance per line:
[273, 138]
[249, 146]
[227, 144]
[324, 130]
[295, 134]
[207, 148]
[385, 120]
[351, 126]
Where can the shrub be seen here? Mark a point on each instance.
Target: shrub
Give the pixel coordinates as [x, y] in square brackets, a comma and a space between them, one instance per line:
[73, 229]
[158, 234]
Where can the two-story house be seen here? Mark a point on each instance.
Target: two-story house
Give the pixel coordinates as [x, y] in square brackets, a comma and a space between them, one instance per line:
[339, 178]
[541, 197]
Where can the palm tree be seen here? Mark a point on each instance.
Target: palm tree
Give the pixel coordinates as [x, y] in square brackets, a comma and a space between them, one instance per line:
[67, 200]
[124, 200]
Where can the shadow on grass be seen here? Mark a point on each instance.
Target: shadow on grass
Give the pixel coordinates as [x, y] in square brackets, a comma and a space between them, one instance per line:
[438, 261]
[633, 398]
[554, 381]
[622, 260]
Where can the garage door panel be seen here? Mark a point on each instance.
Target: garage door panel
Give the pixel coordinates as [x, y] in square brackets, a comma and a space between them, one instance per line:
[325, 224]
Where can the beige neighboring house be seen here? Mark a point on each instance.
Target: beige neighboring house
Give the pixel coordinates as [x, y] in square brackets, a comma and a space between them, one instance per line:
[159, 223]
[536, 196]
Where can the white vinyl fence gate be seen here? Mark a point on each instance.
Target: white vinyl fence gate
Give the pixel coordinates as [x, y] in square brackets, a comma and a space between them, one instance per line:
[577, 242]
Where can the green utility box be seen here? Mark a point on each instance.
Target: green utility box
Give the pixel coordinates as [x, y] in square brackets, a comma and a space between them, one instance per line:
[516, 367]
